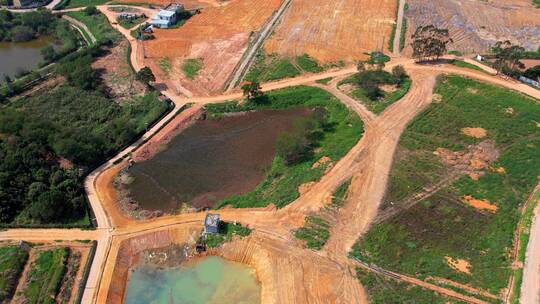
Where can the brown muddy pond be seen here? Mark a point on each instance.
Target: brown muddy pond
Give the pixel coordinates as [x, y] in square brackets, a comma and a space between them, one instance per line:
[15, 56]
[211, 160]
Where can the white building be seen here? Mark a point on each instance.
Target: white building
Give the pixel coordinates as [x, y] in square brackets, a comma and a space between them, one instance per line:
[167, 17]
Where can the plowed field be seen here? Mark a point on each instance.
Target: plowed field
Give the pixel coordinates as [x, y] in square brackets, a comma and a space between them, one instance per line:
[476, 25]
[218, 36]
[334, 30]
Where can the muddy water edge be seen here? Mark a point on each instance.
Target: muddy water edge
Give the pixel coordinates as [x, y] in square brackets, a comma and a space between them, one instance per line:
[209, 161]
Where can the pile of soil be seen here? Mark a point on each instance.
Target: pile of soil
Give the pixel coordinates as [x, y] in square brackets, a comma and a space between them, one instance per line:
[473, 161]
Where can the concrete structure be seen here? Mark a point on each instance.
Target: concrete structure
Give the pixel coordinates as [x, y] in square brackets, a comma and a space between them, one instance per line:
[167, 17]
[211, 223]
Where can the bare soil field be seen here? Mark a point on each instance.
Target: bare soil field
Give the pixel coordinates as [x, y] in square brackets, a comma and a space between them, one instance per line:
[476, 25]
[330, 31]
[218, 37]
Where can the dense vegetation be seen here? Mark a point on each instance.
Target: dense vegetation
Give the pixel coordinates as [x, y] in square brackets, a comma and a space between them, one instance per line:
[417, 241]
[45, 276]
[280, 186]
[12, 261]
[98, 24]
[274, 67]
[386, 291]
[226, 233]
[46, 139]
[315, 232]
[367, 87]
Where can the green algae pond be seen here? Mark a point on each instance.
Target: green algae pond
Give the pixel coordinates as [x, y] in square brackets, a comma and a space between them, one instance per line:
[206, 281]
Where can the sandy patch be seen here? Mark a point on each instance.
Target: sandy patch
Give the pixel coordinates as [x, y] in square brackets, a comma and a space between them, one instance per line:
[480, 204]
[388, 88]
[500, 170]
[460, 265]
[472, 162]
[472, 90]
[305, 187]
[509, 111]
[474, 132]
[436, 98]
[323, 160]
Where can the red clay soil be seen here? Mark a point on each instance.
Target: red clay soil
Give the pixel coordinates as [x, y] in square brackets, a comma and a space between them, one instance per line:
[218, 36]
[334, 30]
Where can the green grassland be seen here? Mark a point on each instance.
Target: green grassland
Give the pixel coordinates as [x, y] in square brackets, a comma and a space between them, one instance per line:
[281, 183]
[274, 67]
[12, 260]
[45, 276]
[386, 291]
[416, 241]
[191, 67]
[97, 24]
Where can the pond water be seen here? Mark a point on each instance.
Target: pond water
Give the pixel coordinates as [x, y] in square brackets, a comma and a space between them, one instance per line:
[211, 160]
[212, 280]
[21, 55]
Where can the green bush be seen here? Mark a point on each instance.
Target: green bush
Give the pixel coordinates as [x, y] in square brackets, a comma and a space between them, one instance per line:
[226, 233]
[308, 64]
[191, 67]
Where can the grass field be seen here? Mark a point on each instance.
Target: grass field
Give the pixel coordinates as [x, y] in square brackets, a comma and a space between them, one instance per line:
[274, 67]
[417, 241]
[12, 260]
[384, 291]
[129, 23]
[97, 24]
[280, 186]
[45, 276]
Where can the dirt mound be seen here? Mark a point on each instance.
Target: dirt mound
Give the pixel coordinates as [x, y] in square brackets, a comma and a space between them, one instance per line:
[474, 132]
[323, 160]
[514, 20]
[473, 161]
[331, 31]
[458, 264]
[480, 204]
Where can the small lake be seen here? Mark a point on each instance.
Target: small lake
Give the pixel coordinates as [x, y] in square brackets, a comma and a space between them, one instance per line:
[211, 280]
[211, 160]
[21, 55]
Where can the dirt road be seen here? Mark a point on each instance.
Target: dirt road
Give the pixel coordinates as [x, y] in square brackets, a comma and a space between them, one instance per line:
[399, 26]
[530, 288]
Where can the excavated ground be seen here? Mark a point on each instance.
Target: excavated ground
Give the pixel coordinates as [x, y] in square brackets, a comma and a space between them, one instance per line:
[218, 37]
[476, 25]
[331, 31]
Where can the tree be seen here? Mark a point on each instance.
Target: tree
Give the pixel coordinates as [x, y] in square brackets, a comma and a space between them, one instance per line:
[145, 75]
[429, 42]
[507, 56]
[91, 10]
[533, 73]
[9, 84]
[252, 90]
[291, 147]
[399, 72]
[361, 66]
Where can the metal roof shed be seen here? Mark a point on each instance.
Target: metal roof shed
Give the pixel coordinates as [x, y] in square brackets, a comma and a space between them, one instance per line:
[211, 223]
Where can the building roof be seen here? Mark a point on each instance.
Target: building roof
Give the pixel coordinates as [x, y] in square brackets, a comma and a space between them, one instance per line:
[211, 220]
[165, 13]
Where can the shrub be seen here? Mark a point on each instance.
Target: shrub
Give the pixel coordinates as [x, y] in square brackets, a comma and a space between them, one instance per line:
[90, 10]
[22, 33]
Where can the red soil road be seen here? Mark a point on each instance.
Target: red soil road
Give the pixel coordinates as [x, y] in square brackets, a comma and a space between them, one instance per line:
[334, 30]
